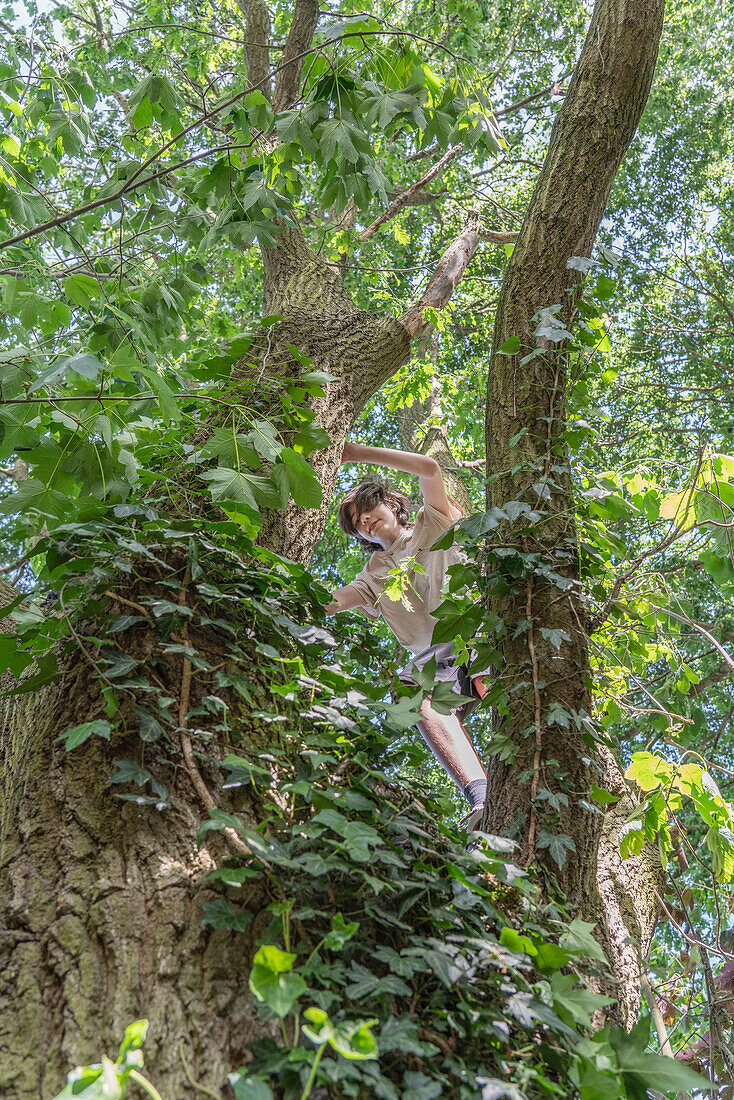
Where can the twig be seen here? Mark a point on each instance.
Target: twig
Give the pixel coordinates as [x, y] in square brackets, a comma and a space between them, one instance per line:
[195, 1084]
[656, 1014]
[131, 603]
[695, 626]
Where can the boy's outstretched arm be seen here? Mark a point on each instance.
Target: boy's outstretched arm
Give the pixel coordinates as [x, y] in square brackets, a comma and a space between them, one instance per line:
[428, 470]
[344, 600]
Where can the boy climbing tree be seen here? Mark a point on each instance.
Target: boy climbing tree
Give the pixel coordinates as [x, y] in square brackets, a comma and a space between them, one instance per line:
[378, 517]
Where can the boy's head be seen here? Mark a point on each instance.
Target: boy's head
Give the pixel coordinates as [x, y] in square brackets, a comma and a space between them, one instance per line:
[364, 497]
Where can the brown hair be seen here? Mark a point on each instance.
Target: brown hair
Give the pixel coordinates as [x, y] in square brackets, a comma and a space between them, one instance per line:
[366, 496]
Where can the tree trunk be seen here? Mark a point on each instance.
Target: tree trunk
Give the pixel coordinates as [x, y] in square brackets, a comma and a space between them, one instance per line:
[543, 795]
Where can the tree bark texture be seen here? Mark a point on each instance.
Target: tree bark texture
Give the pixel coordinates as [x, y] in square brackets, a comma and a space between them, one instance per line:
[546, 673]
[100, 918]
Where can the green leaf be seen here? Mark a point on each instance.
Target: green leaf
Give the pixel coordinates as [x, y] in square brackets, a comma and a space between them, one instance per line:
[247, 1087]
[516, 942]
[129, 771]
[579, 939]
[12, 656]
[340, 933]
[149, 729]
[230, 486]
[510, 346]
[33, 495]
[81, 289]
[355, 1041]
[272, 984]
[77, 735]
[133, 1038]
[558, 845]
[604, 287]
[580, 1003]
[272, 958]
[600, 795]
[222, 916]
[653, 1071]
[302, 482]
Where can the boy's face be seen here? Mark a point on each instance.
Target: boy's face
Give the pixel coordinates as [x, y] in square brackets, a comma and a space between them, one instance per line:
[376, 524]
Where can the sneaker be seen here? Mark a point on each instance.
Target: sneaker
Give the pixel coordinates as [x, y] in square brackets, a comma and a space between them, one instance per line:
[470, 822]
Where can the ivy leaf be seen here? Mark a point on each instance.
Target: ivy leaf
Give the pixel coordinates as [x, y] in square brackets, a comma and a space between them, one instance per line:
[555, 636]
[149, 729]
[77, 735]
[271, 982]
[355, 1041]
[129, 771]
[222, 916]
[558, 844]
[340, 933]
[249, 1087]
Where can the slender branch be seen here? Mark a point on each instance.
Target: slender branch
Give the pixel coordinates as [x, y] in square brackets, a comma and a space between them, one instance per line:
[403, 199]
[552, 89]
[131, 184]
[656, 1014]
[499, 236]
[698, 628]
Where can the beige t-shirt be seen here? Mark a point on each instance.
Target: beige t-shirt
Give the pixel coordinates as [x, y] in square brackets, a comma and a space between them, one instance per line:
[413, 628]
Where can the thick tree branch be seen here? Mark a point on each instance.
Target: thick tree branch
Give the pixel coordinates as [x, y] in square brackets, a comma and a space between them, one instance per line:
[257, 45]
[447, 275]
[288, 82]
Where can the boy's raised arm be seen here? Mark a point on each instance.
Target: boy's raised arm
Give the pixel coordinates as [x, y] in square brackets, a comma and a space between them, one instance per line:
[344, 599]
[428, 470]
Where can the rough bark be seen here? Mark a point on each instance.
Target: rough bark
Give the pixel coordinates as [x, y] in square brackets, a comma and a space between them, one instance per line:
[526, 403]
[257, 45]
[100, 912]
[102, 908]
[303, 24]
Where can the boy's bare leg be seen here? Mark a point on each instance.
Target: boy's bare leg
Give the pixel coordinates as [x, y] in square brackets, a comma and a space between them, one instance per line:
[450, 744]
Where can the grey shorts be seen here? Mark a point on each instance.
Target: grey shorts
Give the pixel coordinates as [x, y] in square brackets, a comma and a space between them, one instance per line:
[447, 671]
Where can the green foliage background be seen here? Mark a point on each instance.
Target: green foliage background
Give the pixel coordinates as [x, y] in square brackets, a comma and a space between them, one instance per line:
[119, 327]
